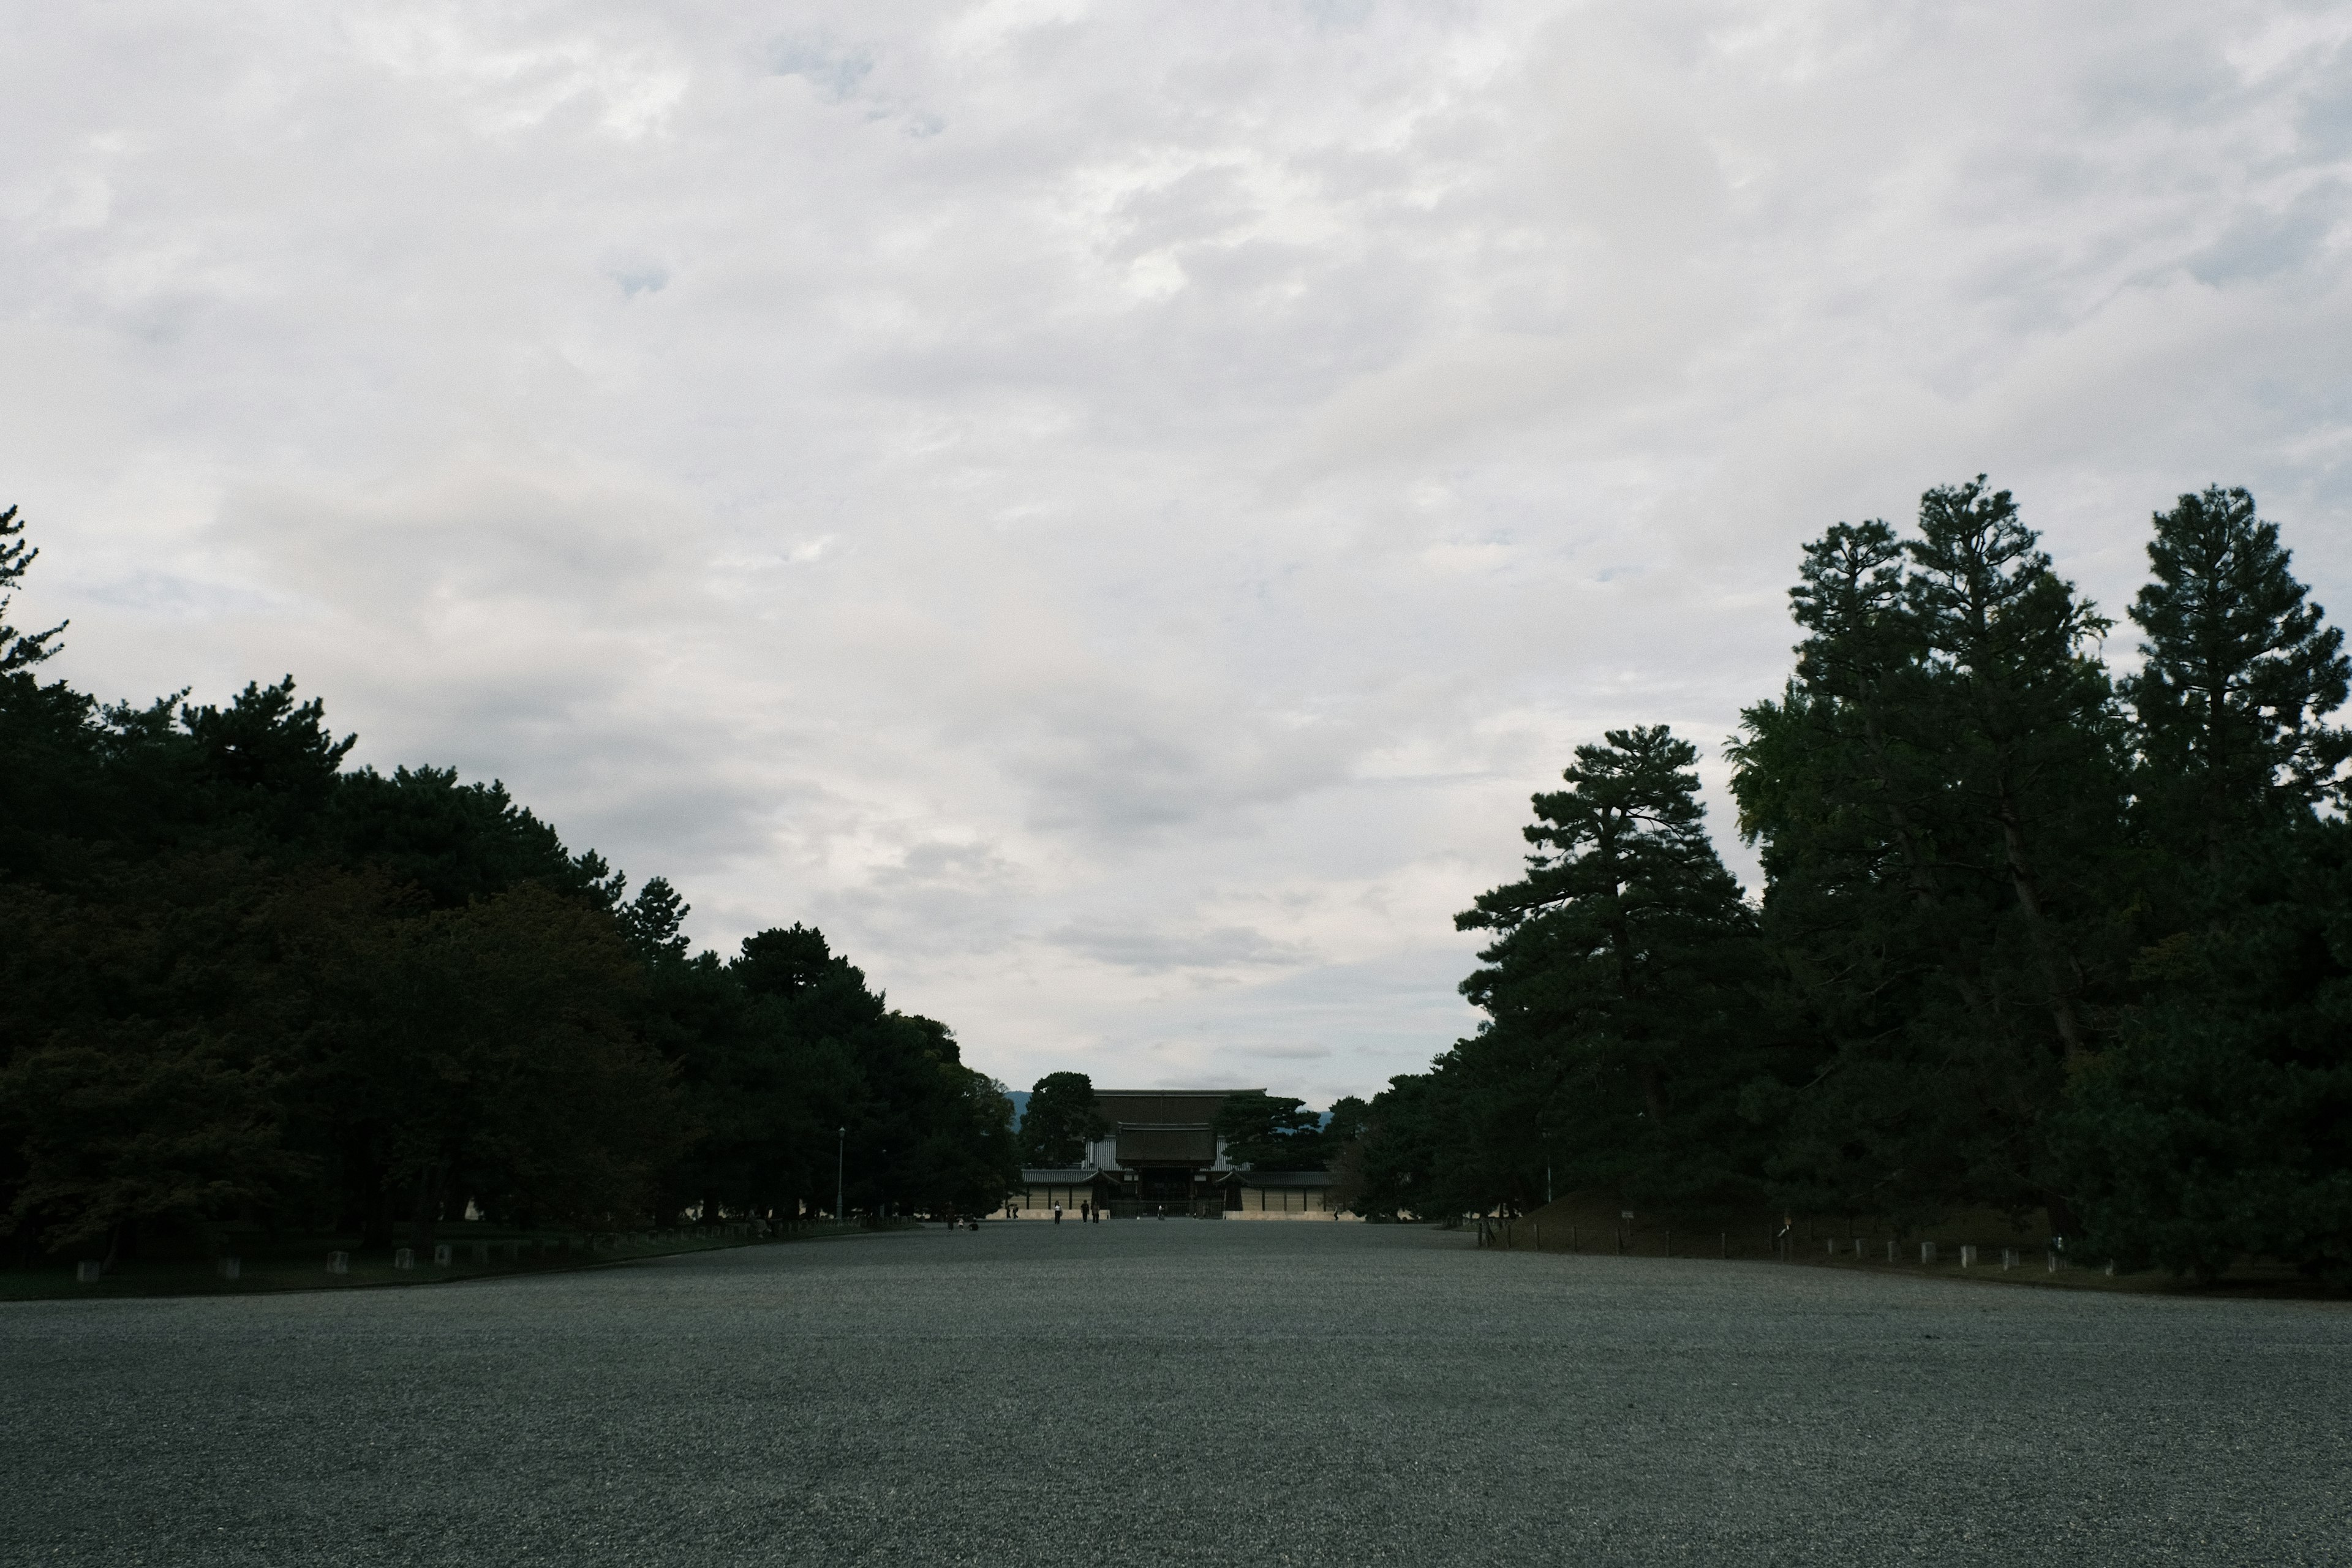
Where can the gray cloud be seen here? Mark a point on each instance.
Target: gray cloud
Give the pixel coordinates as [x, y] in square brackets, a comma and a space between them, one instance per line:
[1153, 951]
[1112, 513]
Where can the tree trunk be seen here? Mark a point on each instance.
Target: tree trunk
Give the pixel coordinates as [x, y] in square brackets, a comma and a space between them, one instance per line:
[2045, 946]
[376, 1209]
[424, 1225]
[1653, 1093]
[1925, 894]
[2061, 1213]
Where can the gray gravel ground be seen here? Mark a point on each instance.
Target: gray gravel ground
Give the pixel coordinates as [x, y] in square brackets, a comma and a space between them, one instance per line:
[1176, 1394]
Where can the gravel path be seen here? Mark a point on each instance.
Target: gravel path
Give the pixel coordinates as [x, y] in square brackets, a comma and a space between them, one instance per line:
[1171, 1395]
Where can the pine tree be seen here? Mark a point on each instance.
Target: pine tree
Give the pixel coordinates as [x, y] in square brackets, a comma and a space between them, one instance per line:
[1936, 793]
[1061, 1119]
[2218, 1126]
[19, 651]
[1614, 981]
[2025, 715]
[651, 923]
[2239, 671]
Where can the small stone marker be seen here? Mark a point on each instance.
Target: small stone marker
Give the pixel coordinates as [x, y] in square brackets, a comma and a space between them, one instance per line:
[2009, 1258]
[440, 1255]
[1968, 1257]
[403, 1258]
[1832, 1246]
[87, 1271]
[1926, 1252]
[1890, 1252]
[231, 1267]
[339, 1263]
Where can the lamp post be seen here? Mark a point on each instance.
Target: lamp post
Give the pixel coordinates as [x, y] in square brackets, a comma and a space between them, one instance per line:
[840, 1148]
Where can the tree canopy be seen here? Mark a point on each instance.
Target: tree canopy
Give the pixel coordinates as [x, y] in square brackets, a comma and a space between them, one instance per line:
[1061, 1119]
[244, 982]
[2031, 937]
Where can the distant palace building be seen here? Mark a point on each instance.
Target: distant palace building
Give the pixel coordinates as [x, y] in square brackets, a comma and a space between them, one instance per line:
[1163, 1157]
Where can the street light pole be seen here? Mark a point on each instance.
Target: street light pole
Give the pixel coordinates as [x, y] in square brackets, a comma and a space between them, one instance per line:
[840, 1147]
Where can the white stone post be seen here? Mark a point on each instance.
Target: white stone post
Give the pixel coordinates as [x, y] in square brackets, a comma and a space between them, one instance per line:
[403, 1258]
[339, 1263]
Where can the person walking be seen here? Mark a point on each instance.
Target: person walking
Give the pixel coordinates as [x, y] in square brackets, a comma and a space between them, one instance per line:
[1057, 1214]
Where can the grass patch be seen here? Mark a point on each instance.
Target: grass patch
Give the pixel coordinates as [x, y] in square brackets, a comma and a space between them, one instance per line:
[299, 1263]
[1596, 1224]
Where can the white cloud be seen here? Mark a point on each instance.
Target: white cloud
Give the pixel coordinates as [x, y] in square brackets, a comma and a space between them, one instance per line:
[1111, 512]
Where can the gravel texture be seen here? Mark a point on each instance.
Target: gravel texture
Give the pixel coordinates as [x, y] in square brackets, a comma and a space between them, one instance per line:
[1171, 1394]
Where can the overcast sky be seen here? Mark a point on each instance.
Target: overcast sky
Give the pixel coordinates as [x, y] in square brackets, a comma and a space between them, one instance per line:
[1111, 510]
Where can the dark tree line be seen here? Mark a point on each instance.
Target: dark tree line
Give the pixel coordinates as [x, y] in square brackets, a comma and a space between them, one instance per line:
[240, 982]
[1259, 1131]
[2033, 936]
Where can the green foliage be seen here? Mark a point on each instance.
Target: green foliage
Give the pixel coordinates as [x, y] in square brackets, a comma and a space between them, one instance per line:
[240, 982]
[1938, 795]
[267, 745]
[19, 651]
[2238, 669]
[1061, 1119]
[1619, 1027]
[149, 1052]
[1270, 1132]
[2030, 939]
[454, 842]
[2221, 1124]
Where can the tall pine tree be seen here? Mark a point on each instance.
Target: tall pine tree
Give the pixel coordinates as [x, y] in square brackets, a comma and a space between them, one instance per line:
[1937, 794]
[2221, 1126]
[1615, 982]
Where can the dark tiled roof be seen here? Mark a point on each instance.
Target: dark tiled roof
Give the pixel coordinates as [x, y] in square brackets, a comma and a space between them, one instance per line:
[1179, 1093]
[1043, 1178]
[1144, 1143]
[1282, 1178]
